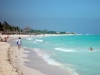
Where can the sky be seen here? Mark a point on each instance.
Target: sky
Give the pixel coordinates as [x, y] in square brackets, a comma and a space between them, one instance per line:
[80, 16]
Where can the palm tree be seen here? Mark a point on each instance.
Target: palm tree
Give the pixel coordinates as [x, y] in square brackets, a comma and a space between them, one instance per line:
[1, 27]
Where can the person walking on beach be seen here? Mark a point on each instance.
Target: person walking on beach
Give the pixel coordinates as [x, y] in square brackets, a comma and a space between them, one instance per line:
[19, 42]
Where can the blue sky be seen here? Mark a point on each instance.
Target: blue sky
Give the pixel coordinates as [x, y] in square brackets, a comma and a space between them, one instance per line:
[80, 16]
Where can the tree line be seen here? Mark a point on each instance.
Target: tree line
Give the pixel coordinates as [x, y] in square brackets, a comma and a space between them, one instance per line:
[6, 28]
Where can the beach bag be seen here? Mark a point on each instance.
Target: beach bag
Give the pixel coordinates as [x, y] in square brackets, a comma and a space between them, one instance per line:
[17, 43]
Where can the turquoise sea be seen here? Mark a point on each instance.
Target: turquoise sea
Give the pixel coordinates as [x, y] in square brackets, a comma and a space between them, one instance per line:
[69, 52]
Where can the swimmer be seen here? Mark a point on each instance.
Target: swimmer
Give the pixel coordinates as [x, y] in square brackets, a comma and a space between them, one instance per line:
[91, 48]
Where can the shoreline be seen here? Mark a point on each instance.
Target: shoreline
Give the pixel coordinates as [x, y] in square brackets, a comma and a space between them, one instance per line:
[41, 65]
[36, 65]
[20, 57]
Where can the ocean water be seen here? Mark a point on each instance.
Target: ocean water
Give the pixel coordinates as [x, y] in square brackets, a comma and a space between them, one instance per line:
[69, 52]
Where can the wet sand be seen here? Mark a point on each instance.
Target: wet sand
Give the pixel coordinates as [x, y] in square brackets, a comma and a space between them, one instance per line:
[37, 62]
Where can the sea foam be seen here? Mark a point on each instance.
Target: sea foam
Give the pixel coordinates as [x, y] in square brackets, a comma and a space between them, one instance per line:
[29, 38]
[38, 40]
[47, 58]
[64, 50]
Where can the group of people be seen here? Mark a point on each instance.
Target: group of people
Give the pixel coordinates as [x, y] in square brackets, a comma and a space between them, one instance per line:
[3, 39]
[19, 42]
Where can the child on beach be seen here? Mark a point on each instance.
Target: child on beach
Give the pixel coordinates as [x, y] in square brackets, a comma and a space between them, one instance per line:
[19, 42]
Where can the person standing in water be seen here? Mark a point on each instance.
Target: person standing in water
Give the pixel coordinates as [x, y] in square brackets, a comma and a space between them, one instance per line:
[91, 48]
[19, 42]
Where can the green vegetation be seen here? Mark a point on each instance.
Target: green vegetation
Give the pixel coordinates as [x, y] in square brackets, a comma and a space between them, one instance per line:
[9, 29]
[5, 28]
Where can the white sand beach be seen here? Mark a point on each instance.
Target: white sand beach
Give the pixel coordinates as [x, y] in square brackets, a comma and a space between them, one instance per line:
[11, 59]
[6, 67]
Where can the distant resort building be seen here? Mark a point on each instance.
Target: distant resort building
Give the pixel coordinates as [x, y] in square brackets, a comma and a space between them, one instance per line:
[57, 32]
[74, 33]
[27, 28]
[70, 32]
[67, 32]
